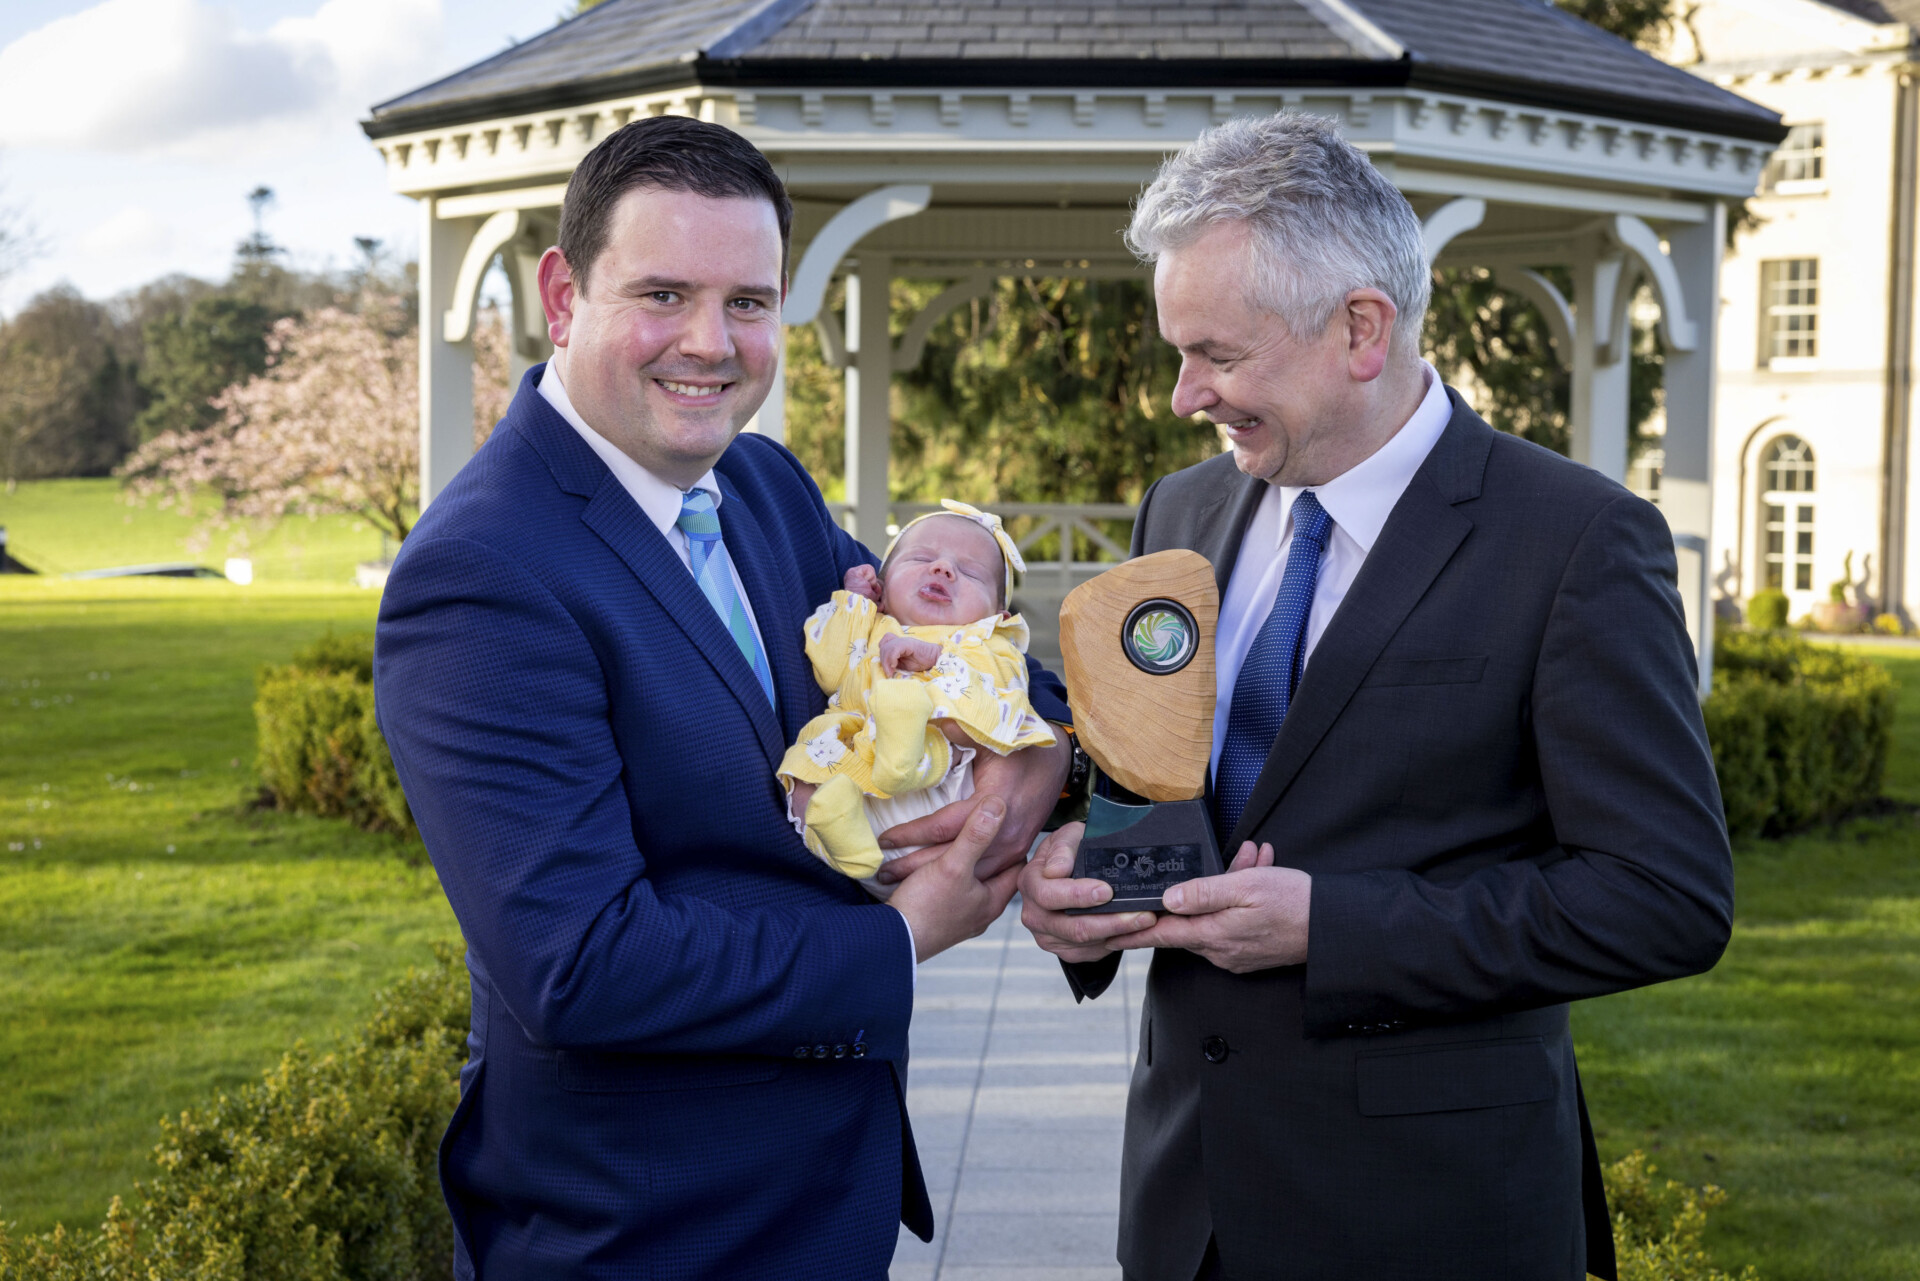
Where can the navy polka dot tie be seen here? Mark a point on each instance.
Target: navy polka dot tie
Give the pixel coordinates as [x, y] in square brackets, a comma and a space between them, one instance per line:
[1267, 679]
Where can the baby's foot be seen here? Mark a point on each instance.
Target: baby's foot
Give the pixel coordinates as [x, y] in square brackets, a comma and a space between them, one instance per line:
[838, 831]
[905, 757]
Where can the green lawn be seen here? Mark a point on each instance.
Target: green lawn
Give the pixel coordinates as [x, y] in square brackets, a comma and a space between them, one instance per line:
[1790, 1075]
[63, 526]
[161, 940]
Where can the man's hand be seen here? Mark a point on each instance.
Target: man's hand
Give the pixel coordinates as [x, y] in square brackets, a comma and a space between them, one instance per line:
[1029, 781]
[863, 580]
[905, 654]
[1251, 917]
[947, 901]
[1048, 888]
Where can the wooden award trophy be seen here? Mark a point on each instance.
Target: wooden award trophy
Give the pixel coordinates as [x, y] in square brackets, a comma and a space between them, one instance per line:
[1138, 647]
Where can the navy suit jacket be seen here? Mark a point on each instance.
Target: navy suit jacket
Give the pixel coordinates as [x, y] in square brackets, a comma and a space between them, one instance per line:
[689, 1034]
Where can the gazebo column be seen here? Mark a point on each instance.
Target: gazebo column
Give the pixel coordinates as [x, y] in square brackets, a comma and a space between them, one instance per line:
[1685, 479]
[446, 368]
[1601, 341]
[869, 380]
[530, 344]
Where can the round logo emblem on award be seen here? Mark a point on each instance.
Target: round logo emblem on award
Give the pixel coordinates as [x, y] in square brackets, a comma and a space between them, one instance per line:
[1160, 637]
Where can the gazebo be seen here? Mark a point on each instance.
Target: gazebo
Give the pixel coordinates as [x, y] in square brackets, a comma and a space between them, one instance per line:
[970, 141]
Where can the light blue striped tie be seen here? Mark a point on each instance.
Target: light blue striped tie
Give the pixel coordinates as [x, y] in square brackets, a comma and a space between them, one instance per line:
[714, 572]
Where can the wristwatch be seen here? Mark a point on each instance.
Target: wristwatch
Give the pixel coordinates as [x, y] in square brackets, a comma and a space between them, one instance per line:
[1072, 805]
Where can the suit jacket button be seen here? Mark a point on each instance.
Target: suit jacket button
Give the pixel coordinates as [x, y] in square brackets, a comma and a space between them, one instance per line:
[839, 1051]
[801, 1051]
[859, 1049]
[1215, 1049]
[821, 1051]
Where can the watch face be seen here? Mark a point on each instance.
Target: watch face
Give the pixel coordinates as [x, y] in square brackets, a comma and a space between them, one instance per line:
[1160, 636]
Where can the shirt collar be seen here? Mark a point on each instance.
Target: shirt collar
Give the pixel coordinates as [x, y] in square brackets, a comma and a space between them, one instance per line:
[659, 499]
[1361, 498]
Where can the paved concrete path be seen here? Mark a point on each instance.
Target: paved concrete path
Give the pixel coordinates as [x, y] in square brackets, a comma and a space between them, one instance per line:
[1017, 1096]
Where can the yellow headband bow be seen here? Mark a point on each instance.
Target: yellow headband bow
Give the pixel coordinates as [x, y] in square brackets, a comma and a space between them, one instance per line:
[1009, 551]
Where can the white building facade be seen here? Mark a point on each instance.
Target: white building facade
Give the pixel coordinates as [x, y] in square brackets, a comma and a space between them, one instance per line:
[1812, 463]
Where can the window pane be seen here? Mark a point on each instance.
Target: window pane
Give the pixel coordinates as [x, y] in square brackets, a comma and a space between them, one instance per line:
[1775, 512]
[1802, 576]
[1805, 544]
[1806, 513]
[1773, 575]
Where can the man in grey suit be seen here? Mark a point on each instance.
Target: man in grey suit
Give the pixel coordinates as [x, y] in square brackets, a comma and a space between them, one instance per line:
[1458, 761]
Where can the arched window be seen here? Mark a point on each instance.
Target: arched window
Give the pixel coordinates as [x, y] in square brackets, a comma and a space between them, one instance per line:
[1786, 515]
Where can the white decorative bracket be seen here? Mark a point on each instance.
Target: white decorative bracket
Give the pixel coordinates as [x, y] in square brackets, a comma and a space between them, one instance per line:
[833, 343]
[842, 232]
[1449, 220]
[913, 343]
[1540, 291]
[494, 235]
[1638, 239]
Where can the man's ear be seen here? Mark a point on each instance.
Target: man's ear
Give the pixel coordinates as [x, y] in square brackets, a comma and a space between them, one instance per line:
[1370, 315]
[557, 295]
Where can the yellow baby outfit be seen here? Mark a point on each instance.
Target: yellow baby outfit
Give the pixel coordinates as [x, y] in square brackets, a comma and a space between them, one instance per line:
[878, 732]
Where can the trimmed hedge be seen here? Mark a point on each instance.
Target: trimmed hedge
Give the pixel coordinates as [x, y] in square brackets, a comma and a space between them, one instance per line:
[325, 1170]
[321, 751]
[1800, 732]
[1657, 1227]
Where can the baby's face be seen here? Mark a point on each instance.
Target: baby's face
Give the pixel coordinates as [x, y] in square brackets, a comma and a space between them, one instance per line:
[945, 572]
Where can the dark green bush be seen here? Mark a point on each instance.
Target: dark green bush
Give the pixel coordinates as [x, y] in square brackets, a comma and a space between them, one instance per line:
[320, 750]
[1768, 610]
[322, 1171]
[1800, 732]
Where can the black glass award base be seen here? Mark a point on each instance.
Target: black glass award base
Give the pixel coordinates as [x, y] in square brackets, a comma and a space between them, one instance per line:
[1142, 849]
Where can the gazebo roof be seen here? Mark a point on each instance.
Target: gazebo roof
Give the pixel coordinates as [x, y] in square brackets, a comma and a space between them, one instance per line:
[1521, 51]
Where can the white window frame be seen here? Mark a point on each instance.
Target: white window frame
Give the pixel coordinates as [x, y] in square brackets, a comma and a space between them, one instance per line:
[1798, 518]
[1783, 349]
[1798, 167]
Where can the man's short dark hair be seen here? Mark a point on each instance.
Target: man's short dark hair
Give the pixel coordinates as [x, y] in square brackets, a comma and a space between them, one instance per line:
[672, 153]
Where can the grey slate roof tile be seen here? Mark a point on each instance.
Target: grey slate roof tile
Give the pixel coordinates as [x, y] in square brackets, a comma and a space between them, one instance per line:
[1526, 50]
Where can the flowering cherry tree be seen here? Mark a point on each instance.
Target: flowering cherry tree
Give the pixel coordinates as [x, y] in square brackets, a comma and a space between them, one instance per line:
[330, 428]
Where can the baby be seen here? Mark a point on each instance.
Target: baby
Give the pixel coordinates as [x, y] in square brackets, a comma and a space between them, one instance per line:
[921, 665]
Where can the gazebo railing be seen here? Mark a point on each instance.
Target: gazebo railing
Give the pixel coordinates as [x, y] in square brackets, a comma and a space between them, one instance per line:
[1094, 537]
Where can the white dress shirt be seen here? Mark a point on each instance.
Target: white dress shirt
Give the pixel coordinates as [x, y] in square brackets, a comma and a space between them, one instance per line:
[1359, 501]
[659, 499]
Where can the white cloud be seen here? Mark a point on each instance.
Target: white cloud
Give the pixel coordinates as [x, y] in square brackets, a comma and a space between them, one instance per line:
[145, 75]
[132, 232]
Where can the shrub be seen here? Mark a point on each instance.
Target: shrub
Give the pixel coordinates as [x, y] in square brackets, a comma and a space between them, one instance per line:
[1800, 733]
[1768, 610]
[324, 1170]
[1656, 1229]
[1889, 625]
[321, 751]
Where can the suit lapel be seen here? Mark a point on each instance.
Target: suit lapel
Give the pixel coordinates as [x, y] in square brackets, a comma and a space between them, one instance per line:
[1222, 527]
[618, 520]
[778, 607]
[1416, 543]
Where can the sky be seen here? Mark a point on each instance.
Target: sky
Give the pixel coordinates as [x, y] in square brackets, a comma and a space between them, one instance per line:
[131, 131]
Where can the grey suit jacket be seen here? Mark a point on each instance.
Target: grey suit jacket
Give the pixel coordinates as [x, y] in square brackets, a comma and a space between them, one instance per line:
[1496, 772]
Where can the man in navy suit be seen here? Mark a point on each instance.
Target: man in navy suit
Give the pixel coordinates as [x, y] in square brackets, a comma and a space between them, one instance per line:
[689, 1034]
[1458, 757]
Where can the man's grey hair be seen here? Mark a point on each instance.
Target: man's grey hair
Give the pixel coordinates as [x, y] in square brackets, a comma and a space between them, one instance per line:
[1324, 221]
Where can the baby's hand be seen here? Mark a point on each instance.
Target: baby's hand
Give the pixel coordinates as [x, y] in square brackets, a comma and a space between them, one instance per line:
[905, 654]
[863, 580]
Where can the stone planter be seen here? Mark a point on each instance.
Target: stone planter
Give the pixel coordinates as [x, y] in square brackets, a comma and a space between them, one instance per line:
[1838, 616]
